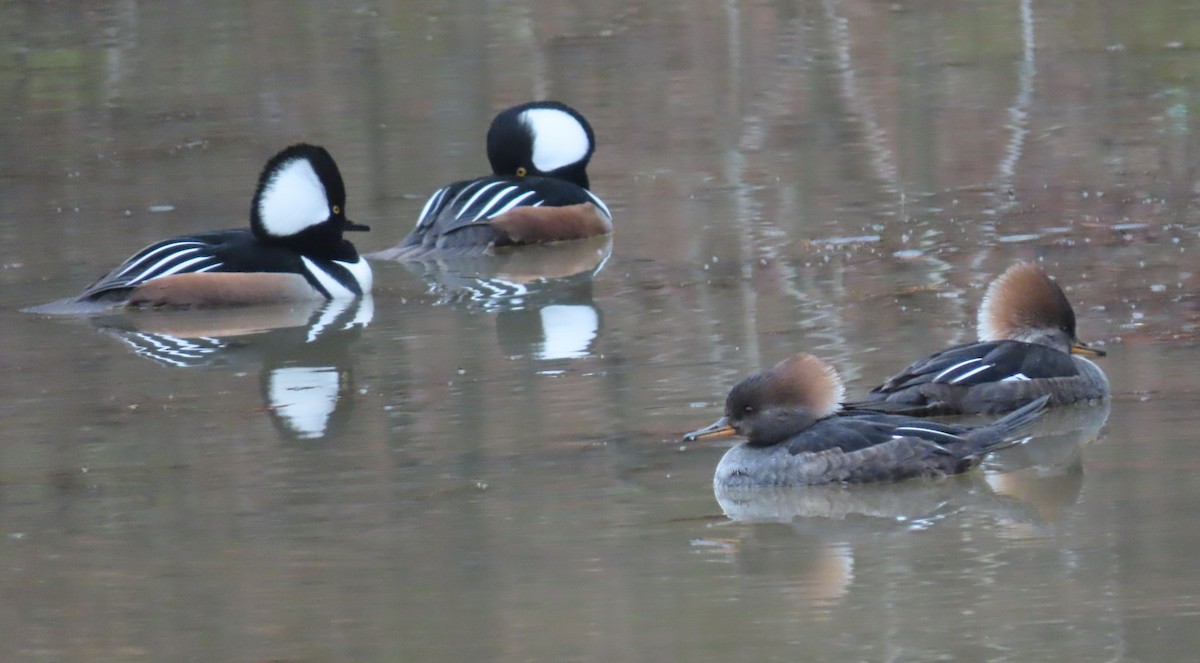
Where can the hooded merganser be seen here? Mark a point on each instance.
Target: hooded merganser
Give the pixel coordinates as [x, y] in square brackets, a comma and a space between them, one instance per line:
[293, 249]
[537, 193]
[795, 434]
[1027, 348]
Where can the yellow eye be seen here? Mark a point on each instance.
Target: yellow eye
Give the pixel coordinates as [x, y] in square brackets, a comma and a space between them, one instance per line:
[337, 210]
[521, 171]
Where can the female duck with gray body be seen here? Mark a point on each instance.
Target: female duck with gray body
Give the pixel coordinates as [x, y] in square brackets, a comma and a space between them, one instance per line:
[796, 434]
[1027, 348]
[538, 191]
[293, 249]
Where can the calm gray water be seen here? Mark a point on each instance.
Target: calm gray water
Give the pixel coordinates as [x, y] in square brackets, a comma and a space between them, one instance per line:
[442, 474]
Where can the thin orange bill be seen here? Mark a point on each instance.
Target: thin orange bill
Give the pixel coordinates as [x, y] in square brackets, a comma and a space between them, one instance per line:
[720, 428]
[1081, 348]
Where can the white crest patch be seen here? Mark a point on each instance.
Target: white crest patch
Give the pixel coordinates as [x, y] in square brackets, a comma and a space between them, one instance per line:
[293, 199]
[558, 138]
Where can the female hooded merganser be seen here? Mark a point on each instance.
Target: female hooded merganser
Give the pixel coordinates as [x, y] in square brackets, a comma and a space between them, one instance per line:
[293, 249]
[1027, 348]
[537, 193]
[795, 434]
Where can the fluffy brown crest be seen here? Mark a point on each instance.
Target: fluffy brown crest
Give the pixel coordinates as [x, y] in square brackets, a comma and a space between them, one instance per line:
[1021, 299]
[806, 380]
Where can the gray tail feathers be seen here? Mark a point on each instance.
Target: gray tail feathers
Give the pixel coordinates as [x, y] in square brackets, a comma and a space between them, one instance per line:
[1005, 432]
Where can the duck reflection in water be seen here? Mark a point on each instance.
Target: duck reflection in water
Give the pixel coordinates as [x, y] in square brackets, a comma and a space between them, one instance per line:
[815, 535]
[302, 352]
[541, 295]
[538, 192]
[1047, 472]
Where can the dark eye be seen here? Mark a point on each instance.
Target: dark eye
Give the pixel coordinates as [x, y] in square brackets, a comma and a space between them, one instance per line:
[748, 409]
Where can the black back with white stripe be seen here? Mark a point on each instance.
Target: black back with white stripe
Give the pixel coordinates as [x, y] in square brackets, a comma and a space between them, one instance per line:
[216, 252]
[857, 431]
[982, 363]
[986, 378]
[871, 447]
[539, 152]
[298, 213]
[883, 447]
[797, 435]
[794, 404]
[459, 216]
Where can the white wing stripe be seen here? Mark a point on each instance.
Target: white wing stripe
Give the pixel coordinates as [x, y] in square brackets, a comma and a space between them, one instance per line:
[452, 204]
[1017, 377]
[513, 203]
[146, 255]
[917, 430]
[472, 199]
[430, 204]
[181, 268]
[971, 372]
[492, 203]
[152, 272]
[955, 367]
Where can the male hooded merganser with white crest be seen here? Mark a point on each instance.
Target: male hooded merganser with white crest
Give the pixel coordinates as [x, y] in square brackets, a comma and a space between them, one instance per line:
[293, 249]
[796, 434]
[1027, 348]
[538, 191]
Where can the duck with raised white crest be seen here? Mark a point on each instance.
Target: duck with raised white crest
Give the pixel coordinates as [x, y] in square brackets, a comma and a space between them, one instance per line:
[538, 191]
[293, 249]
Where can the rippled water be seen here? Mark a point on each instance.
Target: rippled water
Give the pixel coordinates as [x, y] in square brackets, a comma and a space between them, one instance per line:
[483, 461]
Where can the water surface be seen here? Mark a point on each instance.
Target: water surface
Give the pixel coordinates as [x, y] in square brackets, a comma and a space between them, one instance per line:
[440, 474]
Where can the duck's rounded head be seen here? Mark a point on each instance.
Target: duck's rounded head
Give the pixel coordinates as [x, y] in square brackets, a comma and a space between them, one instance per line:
[546, 138]
[301, 200]
[771, 406]
[1024, 304]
